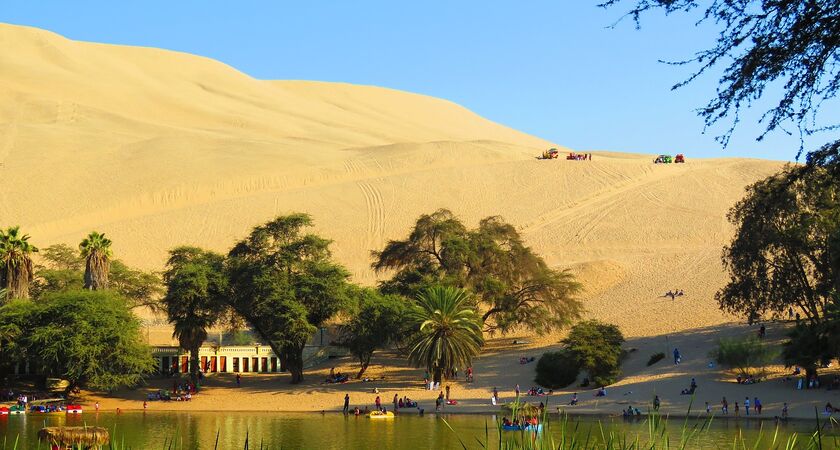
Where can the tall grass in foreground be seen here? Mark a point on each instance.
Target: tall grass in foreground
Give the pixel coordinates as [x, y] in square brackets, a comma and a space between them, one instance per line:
[658, 433]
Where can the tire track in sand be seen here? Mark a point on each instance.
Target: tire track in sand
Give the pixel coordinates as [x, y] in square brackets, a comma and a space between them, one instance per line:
[375, 213]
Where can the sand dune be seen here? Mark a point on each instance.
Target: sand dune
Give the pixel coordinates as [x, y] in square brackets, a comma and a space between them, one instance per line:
[158, 148]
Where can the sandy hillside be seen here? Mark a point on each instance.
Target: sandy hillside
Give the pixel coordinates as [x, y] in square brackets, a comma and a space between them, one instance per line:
[158, 148]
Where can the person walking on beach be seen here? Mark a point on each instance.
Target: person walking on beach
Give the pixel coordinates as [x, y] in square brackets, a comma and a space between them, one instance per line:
[346, 403]
[516, 390]
[495, 395]
[656, 402]
[378, 403]
[757, 406]
[736, 409]
[724, 406]
[396, 401]
[747, 406]
[238, 380]
[677, 357]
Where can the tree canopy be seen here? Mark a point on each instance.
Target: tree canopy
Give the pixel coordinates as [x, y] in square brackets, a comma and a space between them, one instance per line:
[597, 348]
[62, 269]
[448, 332]
[785, 50]
[89, 338]
[284, 284]
[194, 300]
[513, 284]
[376, 322]
[784, 253]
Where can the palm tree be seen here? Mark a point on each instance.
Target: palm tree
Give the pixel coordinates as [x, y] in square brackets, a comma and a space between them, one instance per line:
[15, 263]
[96, 249]
[194, 282]
[449, 333]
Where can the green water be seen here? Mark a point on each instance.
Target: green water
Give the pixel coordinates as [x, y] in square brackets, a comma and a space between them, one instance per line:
[197, 430]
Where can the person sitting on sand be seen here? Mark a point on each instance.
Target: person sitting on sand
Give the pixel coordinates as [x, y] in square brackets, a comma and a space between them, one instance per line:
[602, 392]
[506, 421]
[574, 400]
[785, 411]
[356, 411]
[829, 409]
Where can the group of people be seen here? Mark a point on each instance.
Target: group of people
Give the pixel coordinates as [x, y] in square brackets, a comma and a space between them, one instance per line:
[631, 412]
[691, 388]
[537, 391]
[336, 377]
[746, 379]
[525, 422]
[674, 294]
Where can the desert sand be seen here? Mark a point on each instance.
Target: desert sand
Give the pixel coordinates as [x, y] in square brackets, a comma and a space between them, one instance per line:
[157, 148]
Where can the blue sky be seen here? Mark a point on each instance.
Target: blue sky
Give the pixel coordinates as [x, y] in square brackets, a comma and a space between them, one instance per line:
[552, 68]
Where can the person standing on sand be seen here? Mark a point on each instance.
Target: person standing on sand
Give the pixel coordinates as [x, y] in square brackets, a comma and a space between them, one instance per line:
[757, 406]
[346, 403]
[747, 406]
[656, 402]
[495, 395]
[96, 405]
[736, 409]
[378, 403]
[238, 380]
[677, 357]
[447, 392]
[516, 390]
[724, 406]
[396, 401]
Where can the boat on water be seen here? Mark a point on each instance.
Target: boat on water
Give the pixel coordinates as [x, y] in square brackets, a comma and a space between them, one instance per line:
[381, 415]
[535, 428]
[12, 410]
[54, 407]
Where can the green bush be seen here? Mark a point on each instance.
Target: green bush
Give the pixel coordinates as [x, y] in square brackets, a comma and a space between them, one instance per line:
[743, 354]
[557, 369]
[597, 348]
[655, 358]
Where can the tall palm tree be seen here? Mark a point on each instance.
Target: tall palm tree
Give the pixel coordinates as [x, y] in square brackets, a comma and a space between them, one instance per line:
[194, 282]
[449, 333]
[15, 262]
[96, 249]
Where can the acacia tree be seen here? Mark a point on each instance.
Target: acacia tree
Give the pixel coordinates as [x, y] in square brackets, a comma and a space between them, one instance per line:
[376, 323]
[195, 286]
[96, 249]
[783, 254]
[62, 269]
[284, 284]
[792, 44]
[89, 338]
[513, 284]
[16, 271]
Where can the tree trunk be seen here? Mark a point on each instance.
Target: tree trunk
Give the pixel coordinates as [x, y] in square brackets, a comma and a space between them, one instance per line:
[17, 280]
[284, 363]
[97, 269]
[365, 362]
[437, 374]
[294, 355]
[194, 361]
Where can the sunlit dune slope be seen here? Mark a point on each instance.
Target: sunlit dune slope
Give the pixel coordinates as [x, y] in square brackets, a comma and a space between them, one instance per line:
[157, 148]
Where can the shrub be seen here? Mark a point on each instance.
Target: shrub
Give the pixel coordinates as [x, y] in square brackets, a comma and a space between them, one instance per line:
[655, 358]
[597, 348]
[557, 369]
[742, 354]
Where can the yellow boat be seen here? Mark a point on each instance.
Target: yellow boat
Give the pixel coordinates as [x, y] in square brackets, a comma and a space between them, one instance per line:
[381, 415]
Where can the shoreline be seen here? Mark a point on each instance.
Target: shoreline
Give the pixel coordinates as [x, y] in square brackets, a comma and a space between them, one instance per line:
[590, 416]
